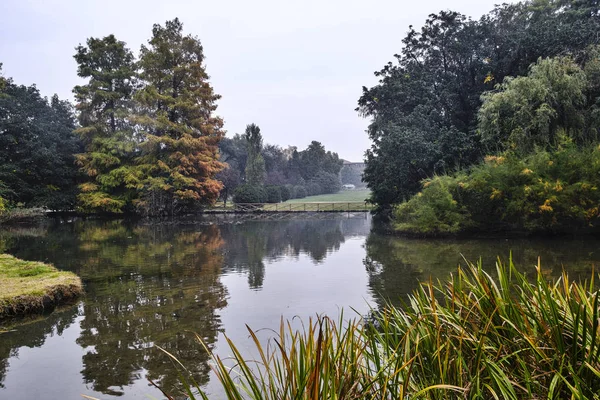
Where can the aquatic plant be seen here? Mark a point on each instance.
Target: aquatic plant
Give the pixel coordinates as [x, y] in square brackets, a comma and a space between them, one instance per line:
[473, 337]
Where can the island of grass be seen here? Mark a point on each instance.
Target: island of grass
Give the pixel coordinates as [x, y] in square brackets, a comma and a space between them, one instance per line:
[32, 287]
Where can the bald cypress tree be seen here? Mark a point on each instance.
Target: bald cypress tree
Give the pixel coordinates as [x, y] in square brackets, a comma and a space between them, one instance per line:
[103, 106]
[178, 131]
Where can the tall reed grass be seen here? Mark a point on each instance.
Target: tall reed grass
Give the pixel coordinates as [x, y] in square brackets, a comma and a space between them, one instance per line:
[473, 337]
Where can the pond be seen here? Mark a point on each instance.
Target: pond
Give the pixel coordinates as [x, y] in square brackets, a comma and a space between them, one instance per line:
[150, 285]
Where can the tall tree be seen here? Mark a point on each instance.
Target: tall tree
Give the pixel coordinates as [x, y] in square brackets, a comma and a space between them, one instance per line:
[424, 108]
[104, 106]
[255, 165]
[37, 148]
[179, 133]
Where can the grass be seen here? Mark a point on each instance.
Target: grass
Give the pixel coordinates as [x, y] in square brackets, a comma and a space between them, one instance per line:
[344, 195]
[28, 286]
[474, 337]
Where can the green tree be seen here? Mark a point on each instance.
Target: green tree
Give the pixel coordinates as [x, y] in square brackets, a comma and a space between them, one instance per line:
[255, 164]
[424, 108]
[541, 109]
[179, 133]
[316, 159]
[37, 148]
[104, 106]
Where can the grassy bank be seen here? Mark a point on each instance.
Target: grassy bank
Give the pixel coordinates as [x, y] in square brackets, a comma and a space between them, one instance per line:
[28, 286]
[475, 337]
[344, 195]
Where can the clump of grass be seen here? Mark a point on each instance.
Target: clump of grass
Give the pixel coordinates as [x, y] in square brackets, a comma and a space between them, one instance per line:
[28, 286]
[473, 337]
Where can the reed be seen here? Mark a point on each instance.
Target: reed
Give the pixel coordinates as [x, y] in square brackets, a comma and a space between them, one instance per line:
[473, 337]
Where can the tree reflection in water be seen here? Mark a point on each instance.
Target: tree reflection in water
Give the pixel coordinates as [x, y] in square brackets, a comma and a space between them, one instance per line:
[397, 265]
[158, 284]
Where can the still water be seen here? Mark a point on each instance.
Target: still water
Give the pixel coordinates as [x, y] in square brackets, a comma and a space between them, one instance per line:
[151, 285]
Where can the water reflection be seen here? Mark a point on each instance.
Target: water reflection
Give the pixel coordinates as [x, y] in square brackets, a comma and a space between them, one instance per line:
[153, 285]
[157, 284]
[38, 329]
[397, 265]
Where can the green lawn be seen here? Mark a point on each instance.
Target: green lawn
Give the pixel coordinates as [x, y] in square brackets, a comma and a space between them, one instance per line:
[29, 286]
[344, 195]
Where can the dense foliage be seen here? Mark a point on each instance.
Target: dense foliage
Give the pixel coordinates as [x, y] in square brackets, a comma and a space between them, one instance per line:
[104, 106]
[151, 136]
[296, 174]
[547, 176]
[255, 163]
[425, 107]
[37, 148]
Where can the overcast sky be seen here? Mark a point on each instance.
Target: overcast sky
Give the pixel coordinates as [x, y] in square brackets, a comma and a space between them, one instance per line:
[294, 68]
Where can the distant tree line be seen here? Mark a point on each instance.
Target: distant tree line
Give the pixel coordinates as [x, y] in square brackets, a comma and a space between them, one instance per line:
[259, 173]
[142, 138]
[425, 118]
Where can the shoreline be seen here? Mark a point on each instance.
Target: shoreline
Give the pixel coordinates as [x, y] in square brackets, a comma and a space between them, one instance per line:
[30, 287]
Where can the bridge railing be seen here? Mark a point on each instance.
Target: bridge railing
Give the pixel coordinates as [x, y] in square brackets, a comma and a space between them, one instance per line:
[329, 206]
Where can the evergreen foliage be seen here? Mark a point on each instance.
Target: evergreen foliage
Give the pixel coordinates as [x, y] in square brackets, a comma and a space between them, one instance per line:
[273, 194]
[546, 178]
[247, 193]
[179, 133]
[255, 164]
[104, 104]
[37, 149]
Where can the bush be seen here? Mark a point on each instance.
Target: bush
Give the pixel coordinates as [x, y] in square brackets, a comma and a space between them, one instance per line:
[545, 192]
[249, 194]
[432, 211]
[285, 192]
[273, 194]
[313, 188]
[300, 192]
[328, 182]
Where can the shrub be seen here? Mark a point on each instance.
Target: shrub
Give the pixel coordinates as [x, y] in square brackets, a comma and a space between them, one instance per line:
[328, 182]
[286, 193]
[300, 192]
[249, 194]
[313, 188]
[544, 192]
[434, 210]
[273, 194]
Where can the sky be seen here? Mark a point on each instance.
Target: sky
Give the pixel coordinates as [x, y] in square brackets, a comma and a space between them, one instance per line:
[295, 68]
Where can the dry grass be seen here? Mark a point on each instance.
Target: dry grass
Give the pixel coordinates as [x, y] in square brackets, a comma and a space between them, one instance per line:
[28, 286]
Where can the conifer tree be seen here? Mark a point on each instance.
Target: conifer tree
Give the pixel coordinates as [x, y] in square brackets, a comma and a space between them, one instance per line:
[255, 165]
[179, 133]
[104, 106]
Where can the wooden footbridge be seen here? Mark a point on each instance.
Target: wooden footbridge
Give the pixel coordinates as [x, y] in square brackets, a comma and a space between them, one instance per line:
[307, 207]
